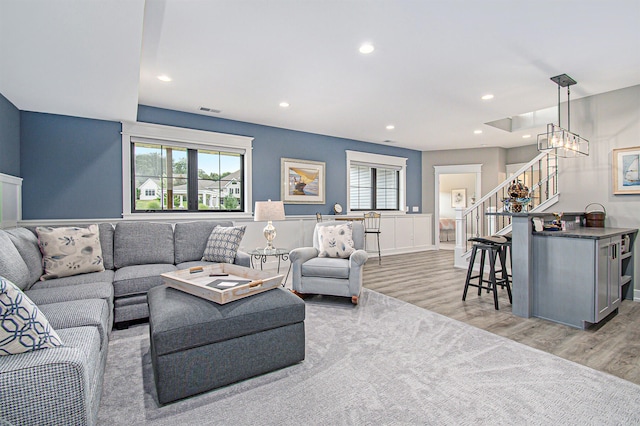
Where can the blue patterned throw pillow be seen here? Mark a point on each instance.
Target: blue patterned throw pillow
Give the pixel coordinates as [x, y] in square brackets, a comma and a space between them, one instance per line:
[336, 241]
[223, 244]
[23, 328]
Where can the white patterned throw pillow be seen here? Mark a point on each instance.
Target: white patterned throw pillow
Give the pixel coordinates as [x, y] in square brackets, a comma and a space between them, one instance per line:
[223, 244]
[23, 328]
[69, 251]
[336, 241]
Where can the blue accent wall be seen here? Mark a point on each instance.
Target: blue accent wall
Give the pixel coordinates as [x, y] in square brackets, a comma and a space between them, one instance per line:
[9, 138]
[272, 143]
[72, 167]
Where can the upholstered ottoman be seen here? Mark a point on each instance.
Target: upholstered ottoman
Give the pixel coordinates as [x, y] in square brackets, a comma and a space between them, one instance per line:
[198, 345]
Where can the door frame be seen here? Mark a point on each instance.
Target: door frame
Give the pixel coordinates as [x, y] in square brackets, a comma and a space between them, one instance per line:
[452, 170]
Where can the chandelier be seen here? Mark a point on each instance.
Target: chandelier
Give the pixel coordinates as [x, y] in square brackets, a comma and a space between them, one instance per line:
[562, 142]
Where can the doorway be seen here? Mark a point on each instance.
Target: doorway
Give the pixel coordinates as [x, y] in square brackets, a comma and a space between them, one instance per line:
[456, 187]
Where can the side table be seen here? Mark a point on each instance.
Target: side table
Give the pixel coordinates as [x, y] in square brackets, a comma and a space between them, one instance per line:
[263, 254]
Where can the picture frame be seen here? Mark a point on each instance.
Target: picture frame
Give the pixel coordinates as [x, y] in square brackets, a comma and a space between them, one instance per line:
[459, 198]
[302, 181]
[625, 170]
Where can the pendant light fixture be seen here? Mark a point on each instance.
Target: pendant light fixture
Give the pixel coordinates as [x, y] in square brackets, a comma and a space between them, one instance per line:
[562, 142]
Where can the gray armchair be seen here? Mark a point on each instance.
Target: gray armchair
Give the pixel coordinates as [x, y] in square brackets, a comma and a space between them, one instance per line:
[327, 275]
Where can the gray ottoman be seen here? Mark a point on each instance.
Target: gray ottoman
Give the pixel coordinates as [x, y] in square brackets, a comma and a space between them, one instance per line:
[198, 345]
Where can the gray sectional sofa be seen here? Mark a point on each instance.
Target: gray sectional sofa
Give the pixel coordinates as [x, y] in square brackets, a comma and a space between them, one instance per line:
[63, 385]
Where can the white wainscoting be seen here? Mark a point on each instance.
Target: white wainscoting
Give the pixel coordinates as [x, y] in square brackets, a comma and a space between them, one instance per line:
[398, 234]
[10, 201]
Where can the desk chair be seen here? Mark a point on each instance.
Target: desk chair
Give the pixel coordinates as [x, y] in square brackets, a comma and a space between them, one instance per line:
[372, 226]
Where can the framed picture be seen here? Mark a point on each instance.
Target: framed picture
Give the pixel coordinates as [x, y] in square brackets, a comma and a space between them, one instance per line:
[459, 198]
[302, 181]
[625, 170]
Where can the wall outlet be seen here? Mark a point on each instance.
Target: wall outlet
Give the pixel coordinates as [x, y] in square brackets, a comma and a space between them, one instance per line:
[415, 209]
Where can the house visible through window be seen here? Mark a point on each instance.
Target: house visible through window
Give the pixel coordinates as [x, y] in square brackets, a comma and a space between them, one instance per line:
[177, 178]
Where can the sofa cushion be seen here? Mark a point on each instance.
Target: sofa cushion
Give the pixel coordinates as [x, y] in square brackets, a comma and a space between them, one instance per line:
[141, 243]
[138, 279]
[79, 313]
[336, 241]
[97, 290]
[12, 266]
[106, 243]
[70, 251]
[89, 278]
[190, 238]
[23, 327]
[326, 267]
[27, 244]
[223, 244]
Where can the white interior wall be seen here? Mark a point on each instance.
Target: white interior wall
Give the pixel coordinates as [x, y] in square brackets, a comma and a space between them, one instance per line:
[449, 182]
[610, 120]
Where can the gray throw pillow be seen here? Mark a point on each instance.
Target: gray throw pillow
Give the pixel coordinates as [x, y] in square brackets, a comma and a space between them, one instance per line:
[223, 244]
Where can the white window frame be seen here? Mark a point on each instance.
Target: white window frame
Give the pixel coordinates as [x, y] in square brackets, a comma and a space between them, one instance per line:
[380, 161]
[185, 137]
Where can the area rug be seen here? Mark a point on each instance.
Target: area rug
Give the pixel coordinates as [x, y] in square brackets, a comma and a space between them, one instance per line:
[381, 362]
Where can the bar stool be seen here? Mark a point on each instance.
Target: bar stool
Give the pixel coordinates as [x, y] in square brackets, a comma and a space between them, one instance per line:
[496, 247]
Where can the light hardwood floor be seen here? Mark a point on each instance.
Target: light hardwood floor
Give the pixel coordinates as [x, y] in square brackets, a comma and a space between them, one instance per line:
[429, 280]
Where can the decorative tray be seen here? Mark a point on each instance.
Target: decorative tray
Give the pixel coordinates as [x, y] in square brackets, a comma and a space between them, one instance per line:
[222, 282]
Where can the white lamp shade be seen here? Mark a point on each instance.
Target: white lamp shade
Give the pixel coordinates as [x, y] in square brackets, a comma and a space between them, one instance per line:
[269, 210]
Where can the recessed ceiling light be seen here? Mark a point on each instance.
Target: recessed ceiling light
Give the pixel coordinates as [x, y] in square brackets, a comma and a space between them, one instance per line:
[477, 132]
[366, 48]
[164, 78]
[526, 136]
[284, 104]
[487, 97]
[391, 127]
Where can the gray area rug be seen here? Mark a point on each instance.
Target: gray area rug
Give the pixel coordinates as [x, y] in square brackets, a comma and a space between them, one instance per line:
[382, 362]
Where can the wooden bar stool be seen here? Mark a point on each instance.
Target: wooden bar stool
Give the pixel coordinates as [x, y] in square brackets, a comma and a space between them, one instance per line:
[495, 246]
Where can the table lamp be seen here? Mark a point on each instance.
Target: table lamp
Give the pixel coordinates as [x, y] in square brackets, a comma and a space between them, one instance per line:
[269, 211]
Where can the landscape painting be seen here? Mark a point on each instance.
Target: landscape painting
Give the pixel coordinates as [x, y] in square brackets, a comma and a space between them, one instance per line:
[302, 181]
[625, 171]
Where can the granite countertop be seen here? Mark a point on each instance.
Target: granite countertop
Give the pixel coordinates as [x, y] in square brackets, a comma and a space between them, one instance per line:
[536, 214]
[590, 233]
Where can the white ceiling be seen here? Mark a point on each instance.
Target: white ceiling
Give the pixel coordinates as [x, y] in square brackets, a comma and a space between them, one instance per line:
[433, 61]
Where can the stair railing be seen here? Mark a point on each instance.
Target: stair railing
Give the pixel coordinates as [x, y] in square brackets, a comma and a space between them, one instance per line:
[540, 175]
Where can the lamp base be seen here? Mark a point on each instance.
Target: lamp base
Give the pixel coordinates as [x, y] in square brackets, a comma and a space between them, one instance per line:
[269, 233]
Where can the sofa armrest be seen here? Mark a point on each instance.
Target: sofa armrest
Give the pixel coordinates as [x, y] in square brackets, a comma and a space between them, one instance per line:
[302, 254]
[242, 259]
[47, 386]
[358, 258]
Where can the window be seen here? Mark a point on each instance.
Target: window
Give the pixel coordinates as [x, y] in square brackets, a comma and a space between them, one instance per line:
[171, 169]
[376, 182]
[373, 188]
[176, 170]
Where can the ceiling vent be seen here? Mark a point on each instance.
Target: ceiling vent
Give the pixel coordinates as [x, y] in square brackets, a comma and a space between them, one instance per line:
[210, 110]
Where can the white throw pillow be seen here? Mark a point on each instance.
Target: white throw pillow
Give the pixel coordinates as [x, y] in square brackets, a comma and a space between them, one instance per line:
[336, 241]
[23, 328]
[223, 244]
[69, 251]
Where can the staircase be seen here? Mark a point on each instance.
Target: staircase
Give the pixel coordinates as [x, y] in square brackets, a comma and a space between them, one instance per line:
[540, 175]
